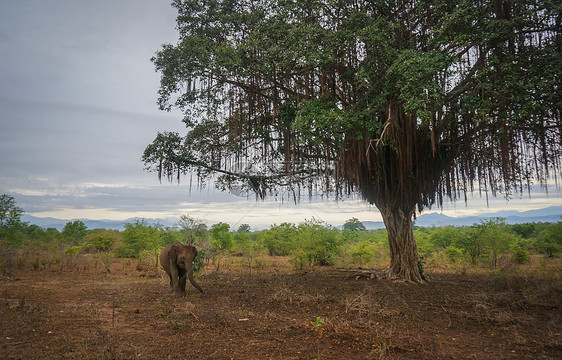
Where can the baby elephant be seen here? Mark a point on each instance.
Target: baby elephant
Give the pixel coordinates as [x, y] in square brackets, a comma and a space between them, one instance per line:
[177, 261]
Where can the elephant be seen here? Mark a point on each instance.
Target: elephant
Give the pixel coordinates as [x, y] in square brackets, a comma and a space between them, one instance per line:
[177, 261]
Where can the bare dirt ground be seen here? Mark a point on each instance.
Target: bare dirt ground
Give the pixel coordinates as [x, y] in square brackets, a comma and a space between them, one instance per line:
[267, 314]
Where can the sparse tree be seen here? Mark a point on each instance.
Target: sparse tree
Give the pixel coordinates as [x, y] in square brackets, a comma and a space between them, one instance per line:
[192, 228]
[221, 241]
[10, 214]
[354, 224]
[279, 240]
[74, 231]
[10, 220]
[244, 228]
[404, 102]
[549, 240]
[139, 237]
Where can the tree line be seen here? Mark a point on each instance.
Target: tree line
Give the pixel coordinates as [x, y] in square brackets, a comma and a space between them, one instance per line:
[307, 244]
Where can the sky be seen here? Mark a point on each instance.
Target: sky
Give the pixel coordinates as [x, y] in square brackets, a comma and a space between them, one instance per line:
[78, 106]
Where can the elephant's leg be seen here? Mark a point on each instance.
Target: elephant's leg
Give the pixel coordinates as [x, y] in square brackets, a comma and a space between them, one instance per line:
[183, 278]
[174, 276]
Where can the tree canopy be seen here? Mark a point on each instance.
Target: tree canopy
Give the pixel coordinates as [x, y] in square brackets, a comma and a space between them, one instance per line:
[404, 102]
[10, 214]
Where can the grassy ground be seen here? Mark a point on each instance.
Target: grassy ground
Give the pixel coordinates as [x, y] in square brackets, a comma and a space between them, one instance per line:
[83, 312]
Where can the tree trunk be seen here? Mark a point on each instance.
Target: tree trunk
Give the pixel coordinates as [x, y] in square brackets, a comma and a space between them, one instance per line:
[403, 249]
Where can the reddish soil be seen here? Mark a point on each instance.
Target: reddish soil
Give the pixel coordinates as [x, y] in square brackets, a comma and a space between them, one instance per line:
[130, 314]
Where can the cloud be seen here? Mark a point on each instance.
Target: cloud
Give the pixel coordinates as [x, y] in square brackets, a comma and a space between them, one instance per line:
[78, 106]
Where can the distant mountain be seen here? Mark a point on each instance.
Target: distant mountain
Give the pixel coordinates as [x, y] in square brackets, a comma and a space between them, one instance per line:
[550, 214]
[371, 225]
[59, 224]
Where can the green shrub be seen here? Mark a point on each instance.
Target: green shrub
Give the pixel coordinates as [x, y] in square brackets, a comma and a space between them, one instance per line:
[549, 240]
[73, 250]
[454, 254]
[520, 255]
[363, 252]
[318, 244]
[100, 241]
[279, 240]
[199, 261]
[139, 237]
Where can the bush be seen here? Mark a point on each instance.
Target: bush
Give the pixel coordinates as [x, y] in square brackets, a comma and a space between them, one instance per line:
[549, 240]
[279, 240]
[139, 237]
[318, 244]
[520, 256]
[454, 254]
[74, 232]
[199, 261]
[101, 241]
[73, 250]
[364, 252]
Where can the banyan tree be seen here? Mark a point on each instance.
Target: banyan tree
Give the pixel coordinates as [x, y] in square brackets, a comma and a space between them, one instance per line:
[404, 103]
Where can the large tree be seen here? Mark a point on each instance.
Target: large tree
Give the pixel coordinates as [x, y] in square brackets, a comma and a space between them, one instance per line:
[405, 102]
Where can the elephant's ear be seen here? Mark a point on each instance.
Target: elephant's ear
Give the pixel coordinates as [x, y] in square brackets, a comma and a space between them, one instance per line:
[173, 254]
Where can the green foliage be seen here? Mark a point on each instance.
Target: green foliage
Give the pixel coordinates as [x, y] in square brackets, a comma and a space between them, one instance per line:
[39, 236]
[243, 228]
[318, 323]
[311, 243]
[101, 241]
[73, 232]
[73, 250]
[493, 236]
[246, 245]
[443, 237]
[221, 238]
[139, 237]
[221, 242]
[318, 244]
[10, 214]
[171, 236]
[520, 255]
[364, 252]
[11, 226]
[454, 254]
[424, 243]
[199, 261]
[404, 102]
[524, 230]
[279, 240]
[193, 230]
[354, 224]
[549, 240]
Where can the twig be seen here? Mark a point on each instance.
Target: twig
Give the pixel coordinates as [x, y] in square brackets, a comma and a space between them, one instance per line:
[386, 124]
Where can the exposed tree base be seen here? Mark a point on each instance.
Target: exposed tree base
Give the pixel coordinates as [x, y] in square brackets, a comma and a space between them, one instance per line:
[358, 274]
[384, 274]
[408, 278]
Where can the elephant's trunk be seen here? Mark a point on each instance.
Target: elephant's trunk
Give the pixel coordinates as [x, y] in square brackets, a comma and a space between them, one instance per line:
[192, 280]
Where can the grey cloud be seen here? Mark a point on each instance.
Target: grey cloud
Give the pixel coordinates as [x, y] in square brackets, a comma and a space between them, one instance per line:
[78, 106]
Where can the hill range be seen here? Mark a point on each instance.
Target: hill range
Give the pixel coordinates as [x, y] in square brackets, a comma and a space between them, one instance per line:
[435, 219]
